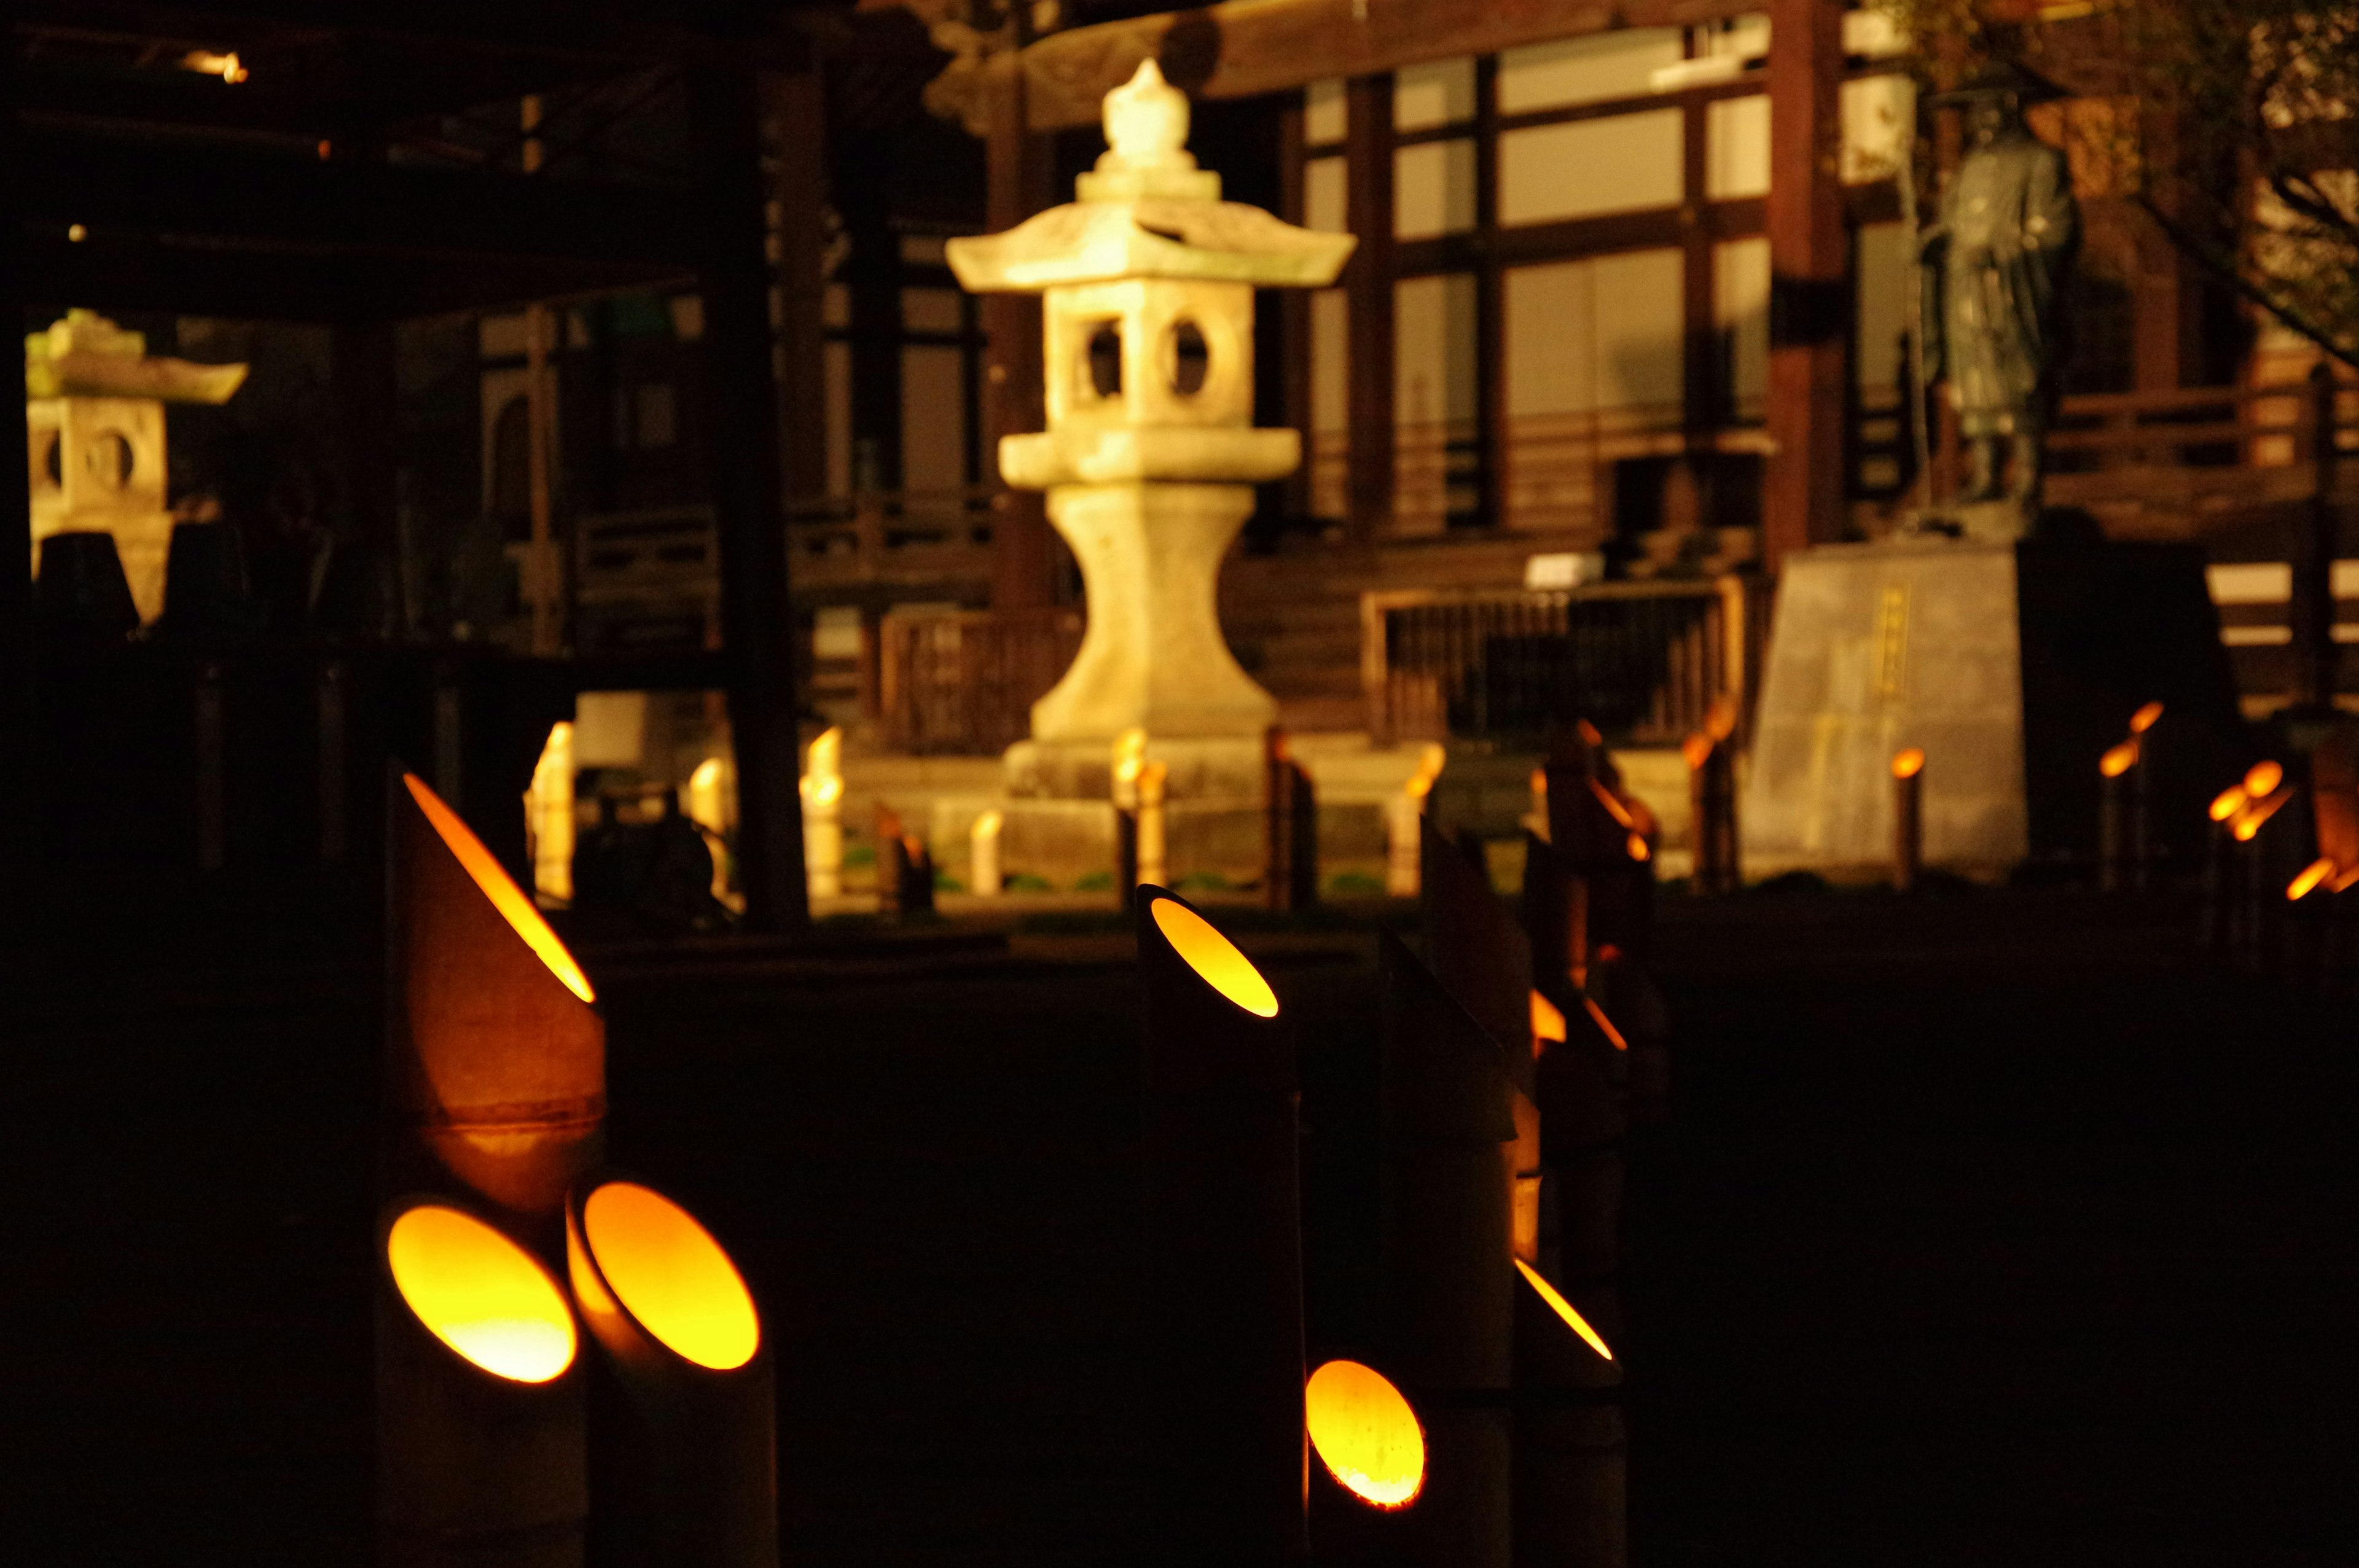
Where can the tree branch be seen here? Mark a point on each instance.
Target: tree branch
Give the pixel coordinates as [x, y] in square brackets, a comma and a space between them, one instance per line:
[2225, 270]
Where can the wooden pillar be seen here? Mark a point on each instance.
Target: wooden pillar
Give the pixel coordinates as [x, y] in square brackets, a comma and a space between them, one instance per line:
[797, 111]
[1490, 311]
[1810, 297]
[1368, 289]
[365, 393]
[17, 708]
[757, 621]
[1293, 306]
[1019, 172]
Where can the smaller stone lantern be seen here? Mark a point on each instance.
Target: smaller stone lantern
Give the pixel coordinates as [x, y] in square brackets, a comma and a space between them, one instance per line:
[1150, 456]
[94, 425]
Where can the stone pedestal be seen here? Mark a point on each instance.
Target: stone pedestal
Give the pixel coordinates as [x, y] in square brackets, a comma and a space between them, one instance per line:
[2014, 666]
[1153, 657]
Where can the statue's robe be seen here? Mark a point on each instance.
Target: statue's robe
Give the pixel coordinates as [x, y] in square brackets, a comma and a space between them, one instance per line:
[2010, 231]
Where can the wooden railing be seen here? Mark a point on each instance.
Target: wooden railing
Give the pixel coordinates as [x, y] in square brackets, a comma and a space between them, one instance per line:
[1644, 662]
[963, 682]
[2195, 449]
[914, 535]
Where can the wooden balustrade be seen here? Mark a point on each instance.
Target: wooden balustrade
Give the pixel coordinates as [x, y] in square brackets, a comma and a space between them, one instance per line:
[1643, 661]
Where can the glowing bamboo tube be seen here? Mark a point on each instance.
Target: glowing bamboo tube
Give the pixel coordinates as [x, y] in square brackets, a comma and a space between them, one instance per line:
[1366, 1432]
[683, 1449]
[496, 1068]
[1606, 840]
[822, 794]
[1908, 817]
[1581, 1092]
[1447, 1251]
[552, 801]
[1477, 950]
[1571, 1471]
[2115, 808]
[481, 1457]
[983, 854]
[1151, 779]
[1712, 813]
[1404, 835]
[1223, 1248]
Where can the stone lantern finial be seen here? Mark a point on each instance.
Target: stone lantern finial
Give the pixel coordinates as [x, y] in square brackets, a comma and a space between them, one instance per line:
[1147, 138]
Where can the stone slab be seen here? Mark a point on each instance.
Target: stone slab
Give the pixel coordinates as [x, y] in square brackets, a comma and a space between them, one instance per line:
[2014, 666]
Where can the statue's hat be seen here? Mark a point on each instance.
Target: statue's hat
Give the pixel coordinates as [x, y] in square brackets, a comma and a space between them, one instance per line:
[2002, 79]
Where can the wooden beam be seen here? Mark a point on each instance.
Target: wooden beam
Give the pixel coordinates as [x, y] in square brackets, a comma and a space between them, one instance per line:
[1810, 269]
[1243, 48]
[226, 195]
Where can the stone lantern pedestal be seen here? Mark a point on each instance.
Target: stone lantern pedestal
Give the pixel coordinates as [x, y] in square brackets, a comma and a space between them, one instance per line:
[1149, 462]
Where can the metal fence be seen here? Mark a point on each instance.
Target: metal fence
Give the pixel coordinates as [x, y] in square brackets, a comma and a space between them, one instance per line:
[963, 682]
[1643, 662]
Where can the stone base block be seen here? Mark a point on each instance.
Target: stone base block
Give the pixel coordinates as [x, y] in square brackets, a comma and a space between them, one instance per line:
[1227, 769]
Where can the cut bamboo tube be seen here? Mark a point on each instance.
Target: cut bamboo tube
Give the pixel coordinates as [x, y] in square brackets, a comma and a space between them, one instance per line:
[683, 1448]
[495, 1059]
[1223, 1248]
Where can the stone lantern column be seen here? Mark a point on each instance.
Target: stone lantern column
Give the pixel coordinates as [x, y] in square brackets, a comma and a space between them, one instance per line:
[1150, 456]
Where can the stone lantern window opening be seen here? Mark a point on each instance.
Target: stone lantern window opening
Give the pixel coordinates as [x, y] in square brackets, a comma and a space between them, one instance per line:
[1187, 357]
[1105, 354]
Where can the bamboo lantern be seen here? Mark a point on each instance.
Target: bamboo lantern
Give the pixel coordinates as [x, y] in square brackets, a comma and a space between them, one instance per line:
[2117, 800]
[1907, 818]
[1404, 819]
[1223, 1251]
[1151, 838]
[481, 1457]
[2141, 847]
[1366, 1488]
[1477, 950]
[1572, 1468]
[496, 1061]
[1555, 906]
[1447, 1249]
[550, 809]
[822, 794]
[684, 1449]
[1607, 839]
[1290, 828]
[1584, 1115]
[983, 854]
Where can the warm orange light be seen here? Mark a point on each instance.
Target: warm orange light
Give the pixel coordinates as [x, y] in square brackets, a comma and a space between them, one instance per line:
[1604, 1024]
[2248, 821]
[670, 1274]
[2143, 720]
[1639, 850]
[1908, 763]
[1588, 731]
[2312, 875]
[1215, 958]
[1364, 1433]
[1572, 1319]
[1606, 797]
[1696, 750]
[2228, 802]
[481, 1294]
[2262, 778]
[2118, 760]
[500, 888]
[1547, 1022]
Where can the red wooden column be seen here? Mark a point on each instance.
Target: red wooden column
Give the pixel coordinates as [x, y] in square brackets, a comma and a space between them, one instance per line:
[1019, 172]
[1810, 293]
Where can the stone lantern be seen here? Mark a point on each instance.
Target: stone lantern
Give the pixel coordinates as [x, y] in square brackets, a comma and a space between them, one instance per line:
[1150, 456]
[94, 424]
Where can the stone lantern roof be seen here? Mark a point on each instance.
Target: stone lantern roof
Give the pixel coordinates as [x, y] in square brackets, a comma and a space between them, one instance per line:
[1146, 210]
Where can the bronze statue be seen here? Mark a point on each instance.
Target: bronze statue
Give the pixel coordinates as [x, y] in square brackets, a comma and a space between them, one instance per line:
[1992, 269]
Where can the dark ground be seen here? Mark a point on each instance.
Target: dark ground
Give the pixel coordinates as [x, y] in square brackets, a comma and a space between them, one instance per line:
[1990, 1230]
